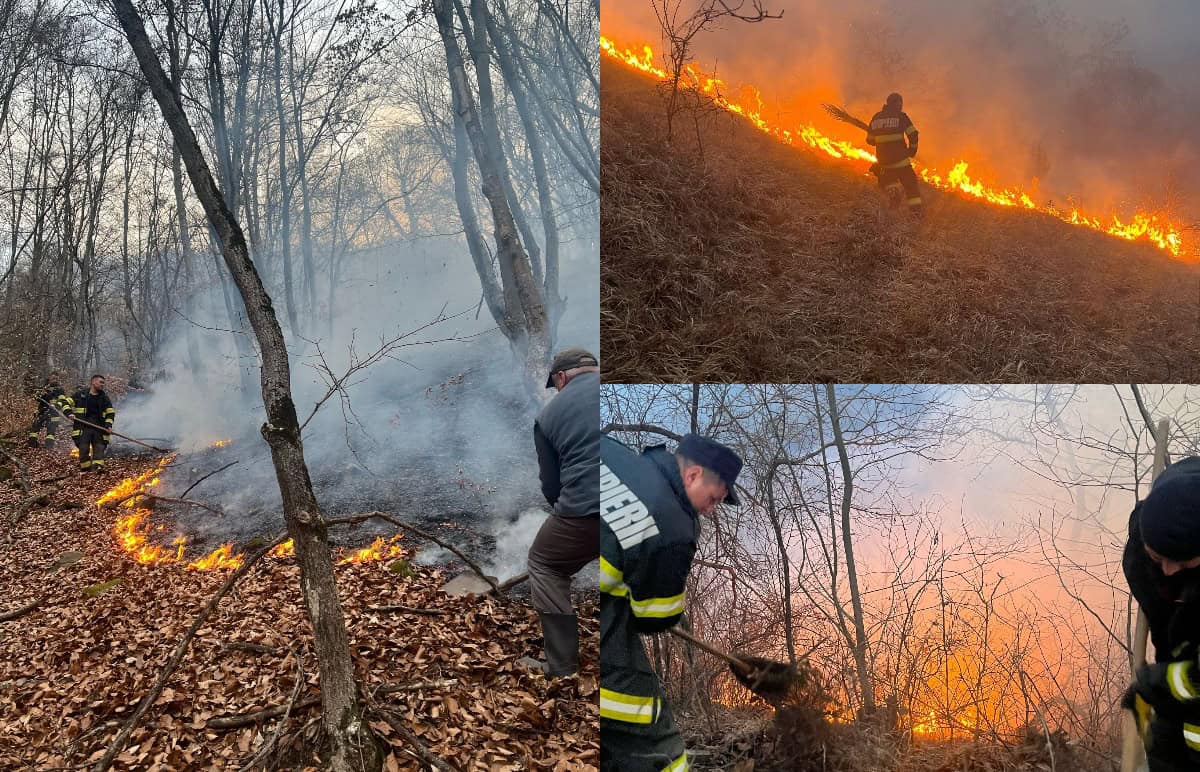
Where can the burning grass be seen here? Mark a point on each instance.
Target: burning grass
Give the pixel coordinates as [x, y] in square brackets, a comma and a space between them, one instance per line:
[798, 738]
[730, 256]
[83, 658]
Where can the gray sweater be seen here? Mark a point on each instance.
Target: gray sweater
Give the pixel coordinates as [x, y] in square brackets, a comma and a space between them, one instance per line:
[567, 437]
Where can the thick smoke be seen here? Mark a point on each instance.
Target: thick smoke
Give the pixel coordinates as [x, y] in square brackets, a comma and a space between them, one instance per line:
[1089, 100]
[434, 433]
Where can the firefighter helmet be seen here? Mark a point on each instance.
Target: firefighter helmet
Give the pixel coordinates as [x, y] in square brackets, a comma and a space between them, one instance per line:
[895, 100]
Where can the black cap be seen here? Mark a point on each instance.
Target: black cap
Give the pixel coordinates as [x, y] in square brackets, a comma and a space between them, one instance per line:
[1170, 515]
[711, 454]
[569, 359]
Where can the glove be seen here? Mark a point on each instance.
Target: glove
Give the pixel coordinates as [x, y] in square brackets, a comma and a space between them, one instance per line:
[1142, 711]
[912, 151]
[1168, 687]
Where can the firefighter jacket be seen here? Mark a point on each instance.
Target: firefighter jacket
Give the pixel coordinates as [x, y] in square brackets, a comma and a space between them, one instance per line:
[1172, 607]
[51, 397]
[94, 408]
[647, 541]
[894, 137]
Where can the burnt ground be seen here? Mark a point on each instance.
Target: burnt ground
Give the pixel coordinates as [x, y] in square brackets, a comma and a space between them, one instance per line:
[101, 627]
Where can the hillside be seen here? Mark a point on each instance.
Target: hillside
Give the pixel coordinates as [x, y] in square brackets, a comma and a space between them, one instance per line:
[729, 256]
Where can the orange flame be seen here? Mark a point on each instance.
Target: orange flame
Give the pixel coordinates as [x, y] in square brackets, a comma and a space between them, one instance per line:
[287, 549]
[1153, 228]
[220, 443]
[380, 549]
[130, 529]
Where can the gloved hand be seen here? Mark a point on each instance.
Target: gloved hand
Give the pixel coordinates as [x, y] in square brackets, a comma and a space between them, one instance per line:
[912, 151]
[1168, 687]
[1143, 713]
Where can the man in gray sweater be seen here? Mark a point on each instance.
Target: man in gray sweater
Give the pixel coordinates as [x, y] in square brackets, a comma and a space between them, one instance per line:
[567, 437]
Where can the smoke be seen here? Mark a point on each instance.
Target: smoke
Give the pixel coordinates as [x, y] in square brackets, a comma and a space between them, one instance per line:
[437, 433]
[1082, 100]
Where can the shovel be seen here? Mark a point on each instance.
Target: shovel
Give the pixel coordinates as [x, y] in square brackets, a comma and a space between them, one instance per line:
[765, 677]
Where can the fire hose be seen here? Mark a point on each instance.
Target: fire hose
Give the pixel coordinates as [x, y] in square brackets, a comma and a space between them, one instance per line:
[105, 429]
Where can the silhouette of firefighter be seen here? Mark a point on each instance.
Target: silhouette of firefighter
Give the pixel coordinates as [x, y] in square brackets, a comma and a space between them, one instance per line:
[894, 136]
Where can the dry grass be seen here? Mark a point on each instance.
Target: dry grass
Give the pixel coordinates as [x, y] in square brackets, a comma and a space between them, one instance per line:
[727, 256]
[797, 739]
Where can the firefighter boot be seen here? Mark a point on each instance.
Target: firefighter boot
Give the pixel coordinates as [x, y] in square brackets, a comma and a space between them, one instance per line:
[49, 444]
[561, 634]
[32, 442]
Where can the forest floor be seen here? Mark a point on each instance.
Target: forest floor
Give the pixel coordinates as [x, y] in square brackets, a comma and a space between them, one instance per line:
[73, 668]
[726, 255]
[794, 739]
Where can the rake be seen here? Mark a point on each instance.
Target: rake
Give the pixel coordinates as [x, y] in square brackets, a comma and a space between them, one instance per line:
[838, 114]
[765, 677]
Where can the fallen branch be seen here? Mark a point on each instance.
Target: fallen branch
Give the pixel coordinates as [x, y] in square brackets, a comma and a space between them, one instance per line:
[270, 743]
[122, 737]
[246, 646]
[22, 510]
[20, 612]
[60, 478]
[246, 719]
[413, 686]
[205, 477]
[417, 746]
[435, 612]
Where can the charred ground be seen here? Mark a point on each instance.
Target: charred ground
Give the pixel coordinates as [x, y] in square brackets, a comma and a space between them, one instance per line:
[726, 255]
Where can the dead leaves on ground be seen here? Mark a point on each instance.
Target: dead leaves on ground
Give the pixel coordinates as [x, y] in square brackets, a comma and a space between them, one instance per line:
[74, 668]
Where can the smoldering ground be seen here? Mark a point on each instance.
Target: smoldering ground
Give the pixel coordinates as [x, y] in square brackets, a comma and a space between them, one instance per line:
[439, 431]
[1079, 102]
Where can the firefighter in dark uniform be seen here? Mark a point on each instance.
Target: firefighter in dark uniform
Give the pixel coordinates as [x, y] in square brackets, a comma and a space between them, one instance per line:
[51, 400]
[649, 504]
[895, 139]
[1162, 565]
[93, 406]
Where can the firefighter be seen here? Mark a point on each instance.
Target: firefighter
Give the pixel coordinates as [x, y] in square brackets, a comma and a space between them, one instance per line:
[51, 401]
[567, 437]
[895, 139]
[93, 406]
[1162, 565]
[649, 505]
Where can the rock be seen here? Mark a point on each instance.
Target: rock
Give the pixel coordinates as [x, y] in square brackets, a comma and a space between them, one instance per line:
[466, 584]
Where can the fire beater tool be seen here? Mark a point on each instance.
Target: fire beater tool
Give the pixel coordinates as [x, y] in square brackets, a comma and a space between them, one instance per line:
[839, 114]
[765, 677]
[104, 429]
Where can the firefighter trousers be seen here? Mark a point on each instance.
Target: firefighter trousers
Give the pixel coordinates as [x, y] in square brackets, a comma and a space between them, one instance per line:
[47, 421]
[642, 747]
[903, 178]
[92, 448]
[564, 545]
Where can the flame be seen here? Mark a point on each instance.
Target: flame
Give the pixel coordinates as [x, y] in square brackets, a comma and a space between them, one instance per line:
[131, 531]
[287, 549]
[74, 452]
[1153, 228]
[131, 528]
[380, 549]
[220, 443]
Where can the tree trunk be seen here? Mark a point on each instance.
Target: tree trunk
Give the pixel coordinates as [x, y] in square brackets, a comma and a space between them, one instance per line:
[353, 745]
[535, 340]
[860, 630]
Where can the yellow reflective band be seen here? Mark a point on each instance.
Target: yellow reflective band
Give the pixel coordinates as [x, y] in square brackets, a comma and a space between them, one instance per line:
[914, 200]
[657, 608]
[905, 162]
[880, 138]
[911, 130]
[108, 411]
[678, 765]
[1191, 735]
[629, 708]
[33, 435]
[1179, 681]
[611, 578]
[77, 432]
[84, 464]
[81, 410]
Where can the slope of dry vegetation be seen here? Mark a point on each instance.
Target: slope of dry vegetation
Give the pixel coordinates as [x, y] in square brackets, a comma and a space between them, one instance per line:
[72, 669]
[728, 256]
